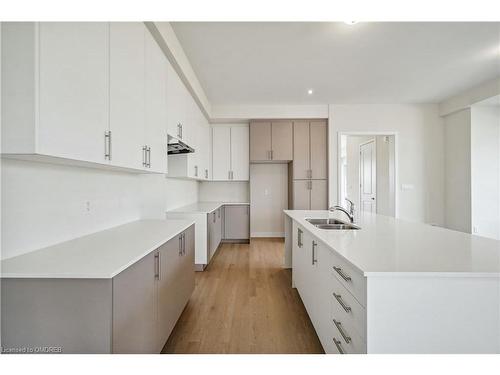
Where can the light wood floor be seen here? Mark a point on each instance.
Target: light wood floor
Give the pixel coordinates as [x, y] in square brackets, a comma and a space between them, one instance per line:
[244, 303]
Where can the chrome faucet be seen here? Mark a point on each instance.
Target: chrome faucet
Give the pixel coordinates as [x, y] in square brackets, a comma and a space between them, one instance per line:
[350, 213]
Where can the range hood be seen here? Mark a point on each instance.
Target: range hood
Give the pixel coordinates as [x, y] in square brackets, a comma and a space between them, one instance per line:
[177, 147]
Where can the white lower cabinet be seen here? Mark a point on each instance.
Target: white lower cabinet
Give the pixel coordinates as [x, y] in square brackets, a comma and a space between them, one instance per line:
[337, 316]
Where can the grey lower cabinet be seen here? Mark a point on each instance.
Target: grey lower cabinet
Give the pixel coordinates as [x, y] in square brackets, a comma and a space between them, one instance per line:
[236, 222]
[134, 312]
[310, 195]
[214, 229]
[149, 296]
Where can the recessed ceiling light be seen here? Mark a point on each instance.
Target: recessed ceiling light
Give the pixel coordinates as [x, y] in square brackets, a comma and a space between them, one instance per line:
[309, 92]
[350, 22]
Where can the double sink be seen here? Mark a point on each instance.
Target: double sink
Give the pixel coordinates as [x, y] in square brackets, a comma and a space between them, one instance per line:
[332, 224]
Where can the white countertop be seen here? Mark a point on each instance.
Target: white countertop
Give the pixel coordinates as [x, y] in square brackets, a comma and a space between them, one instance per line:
[100, 255]
[387, 245]
[204, 207]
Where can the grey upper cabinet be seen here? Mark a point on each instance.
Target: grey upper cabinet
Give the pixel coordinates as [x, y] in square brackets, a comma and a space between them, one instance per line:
[301, 150]
[318, 131]
[236, 222]
[260, 141]
[271, 141]
[310, 194]
[282, 141]
[310, 150]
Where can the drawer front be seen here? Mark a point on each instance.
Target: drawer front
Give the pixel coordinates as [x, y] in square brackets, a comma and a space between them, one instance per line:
[351, 278]
[347, 342]
[355, 318]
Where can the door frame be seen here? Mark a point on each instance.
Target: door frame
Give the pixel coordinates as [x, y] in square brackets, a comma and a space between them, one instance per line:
[374, 141]
[396, 161]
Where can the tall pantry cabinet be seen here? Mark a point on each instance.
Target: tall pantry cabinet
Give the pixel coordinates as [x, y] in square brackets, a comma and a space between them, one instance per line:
[309, 169]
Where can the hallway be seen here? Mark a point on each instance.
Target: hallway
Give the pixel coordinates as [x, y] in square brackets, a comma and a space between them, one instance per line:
[244, 303]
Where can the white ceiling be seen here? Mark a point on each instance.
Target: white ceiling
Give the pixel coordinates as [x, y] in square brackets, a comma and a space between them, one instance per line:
[276, 63]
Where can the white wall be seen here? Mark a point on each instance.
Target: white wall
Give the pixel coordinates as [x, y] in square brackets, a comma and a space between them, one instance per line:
[485, 175]
[420, 152]
[43, 204]
[457, 171]
[268, 199]
[221, 191]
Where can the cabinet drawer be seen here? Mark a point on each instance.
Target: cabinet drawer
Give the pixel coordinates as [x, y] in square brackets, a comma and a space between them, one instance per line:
[352, 343]
[351, 278]
[355, 318]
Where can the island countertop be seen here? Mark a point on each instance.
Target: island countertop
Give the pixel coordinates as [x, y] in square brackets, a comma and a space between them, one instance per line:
[100, 255]
[385, 245]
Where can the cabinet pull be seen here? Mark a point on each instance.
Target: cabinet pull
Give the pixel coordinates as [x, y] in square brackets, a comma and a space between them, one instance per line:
[196, 171]
[214, 216]
[342, 274]
[179, 130]
[338, 344]
[299, 237]
[148, 155]
[157, 266]
[218, 213]
[107, 145]
[180, 244]
[206, 173]
[183, 243]
[339, 299]
[144, 156]
[314, 260]
[347, 338]
[309, 173]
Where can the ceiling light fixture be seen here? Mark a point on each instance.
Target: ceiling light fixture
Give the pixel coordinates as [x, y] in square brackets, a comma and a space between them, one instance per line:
[309, 92]
[350, 23]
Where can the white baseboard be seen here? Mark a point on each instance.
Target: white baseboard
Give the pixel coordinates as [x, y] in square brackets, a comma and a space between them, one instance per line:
[267, 234]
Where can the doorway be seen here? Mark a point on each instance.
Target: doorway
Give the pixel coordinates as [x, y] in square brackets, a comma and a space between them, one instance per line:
[368, 173]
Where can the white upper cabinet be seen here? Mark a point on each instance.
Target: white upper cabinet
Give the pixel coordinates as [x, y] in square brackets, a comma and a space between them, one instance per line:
[127, 94]
[84, 92]
[221, 153]
[177, 105]
[156, 106]
[55, 89]
[230, 155]
[240, 153]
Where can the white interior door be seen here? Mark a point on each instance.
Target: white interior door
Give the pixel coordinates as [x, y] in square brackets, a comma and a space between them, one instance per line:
[368, 176]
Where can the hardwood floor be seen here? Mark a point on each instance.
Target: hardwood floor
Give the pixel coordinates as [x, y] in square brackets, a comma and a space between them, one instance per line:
[244, 303]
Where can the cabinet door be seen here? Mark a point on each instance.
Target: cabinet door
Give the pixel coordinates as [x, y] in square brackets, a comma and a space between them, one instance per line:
[175, 102]
[301, 195]
[73, 89]
[282, 140]
[301, 153]
[134, 308]
[240, 162]
[169, 260]
[319, 195]
[126, 93]
[236, 222]
[187, 265]
[156, 110]
[319, 150]
[260, 141]
[221, 153]
[323, 294]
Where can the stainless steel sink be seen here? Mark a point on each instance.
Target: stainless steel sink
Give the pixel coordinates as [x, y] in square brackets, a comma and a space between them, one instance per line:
[332, 224]
[324, 221]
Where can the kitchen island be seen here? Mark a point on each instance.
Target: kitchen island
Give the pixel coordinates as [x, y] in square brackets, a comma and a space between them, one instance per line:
[395, 286]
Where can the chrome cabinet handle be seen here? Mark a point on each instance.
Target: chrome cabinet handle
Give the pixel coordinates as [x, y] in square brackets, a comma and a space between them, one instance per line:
[157, 266]
[314, 261]
[206, 173]
[342, 274]
[338, 344]
[196, 171]
[107, 145]
[182, 132]
[309, 173]
[148, 155]
[214, 216]
[144, 157]
[347, 338]
[339, 299]
[299, 237]
[183, 243]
